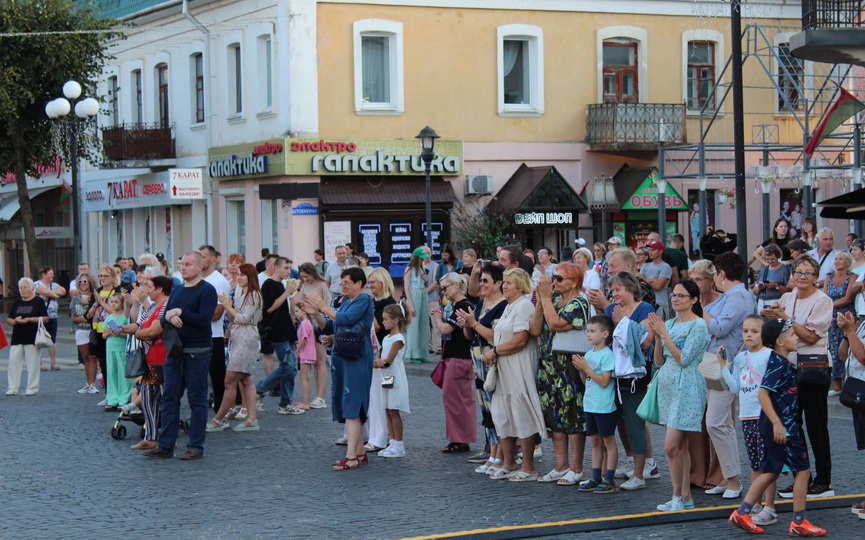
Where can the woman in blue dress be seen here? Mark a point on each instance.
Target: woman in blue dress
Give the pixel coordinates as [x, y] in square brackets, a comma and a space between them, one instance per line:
[679, 347]
[414, 283]
[351, 377]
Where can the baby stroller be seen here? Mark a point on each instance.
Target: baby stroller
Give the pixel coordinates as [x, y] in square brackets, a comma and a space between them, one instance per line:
[119, 432]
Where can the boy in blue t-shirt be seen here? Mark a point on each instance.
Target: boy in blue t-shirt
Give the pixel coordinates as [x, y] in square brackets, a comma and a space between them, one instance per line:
[599, 403]
[781, 434]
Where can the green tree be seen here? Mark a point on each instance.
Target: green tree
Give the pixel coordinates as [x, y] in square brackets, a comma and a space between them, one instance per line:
[474, 226]
[43, 44]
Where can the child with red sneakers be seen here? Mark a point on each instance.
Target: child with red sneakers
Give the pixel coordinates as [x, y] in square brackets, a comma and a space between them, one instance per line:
[781, 434]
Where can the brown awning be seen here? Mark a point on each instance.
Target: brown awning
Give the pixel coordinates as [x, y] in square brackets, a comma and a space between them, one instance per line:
[627, 180]
[384, 191]
[535, 189]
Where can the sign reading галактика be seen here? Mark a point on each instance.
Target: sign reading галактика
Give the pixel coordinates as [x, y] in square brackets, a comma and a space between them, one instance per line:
[334, 157]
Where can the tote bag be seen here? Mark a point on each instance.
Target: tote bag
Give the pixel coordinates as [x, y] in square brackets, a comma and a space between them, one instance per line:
[43, 337]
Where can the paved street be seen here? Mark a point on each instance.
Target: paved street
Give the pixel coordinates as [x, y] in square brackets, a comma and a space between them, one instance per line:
[62, 476]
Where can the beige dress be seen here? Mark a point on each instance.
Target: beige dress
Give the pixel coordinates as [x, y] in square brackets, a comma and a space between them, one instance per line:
[244, 344]
[516, 407]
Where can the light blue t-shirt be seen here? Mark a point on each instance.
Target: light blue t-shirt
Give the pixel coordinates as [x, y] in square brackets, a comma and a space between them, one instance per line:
[598, 399]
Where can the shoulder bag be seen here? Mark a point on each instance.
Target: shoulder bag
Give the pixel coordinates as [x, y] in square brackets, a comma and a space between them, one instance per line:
[648, 409]
[573, 341]
[492, 379]
[853, 391]
[43, 337]
[813, 369]
[136, 365]
[438, 374]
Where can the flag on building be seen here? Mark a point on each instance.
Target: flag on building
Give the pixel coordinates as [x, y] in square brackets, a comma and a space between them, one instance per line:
[844, 107]
[65, 192]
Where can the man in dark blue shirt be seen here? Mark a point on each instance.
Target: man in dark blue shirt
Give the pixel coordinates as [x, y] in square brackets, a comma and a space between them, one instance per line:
[190, 309]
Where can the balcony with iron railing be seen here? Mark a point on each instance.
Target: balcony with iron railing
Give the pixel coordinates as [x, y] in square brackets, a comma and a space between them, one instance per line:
[634, 127]
[139, 145]
[832, 32]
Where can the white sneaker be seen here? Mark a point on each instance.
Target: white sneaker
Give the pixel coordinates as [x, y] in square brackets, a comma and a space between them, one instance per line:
[102, 403]
[650, 472]
[130, 408]
[392, 452]
[538, 453]
[290, 409]
[92, 389]
[553, 476]
[633, 484]
[318, 403]
[673, 505]
[626, 471]
[85, 390]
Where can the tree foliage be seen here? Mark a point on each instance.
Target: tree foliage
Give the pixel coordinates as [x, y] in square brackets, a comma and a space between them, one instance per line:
[474, 226]
[43, 44]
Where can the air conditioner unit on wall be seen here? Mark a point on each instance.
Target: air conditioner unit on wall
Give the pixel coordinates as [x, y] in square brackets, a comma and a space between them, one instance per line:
[479, 184]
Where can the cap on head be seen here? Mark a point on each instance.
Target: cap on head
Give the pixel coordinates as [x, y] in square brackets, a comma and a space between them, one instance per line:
[656, 245]
[615, 240]
[772, 330]
[420, 253]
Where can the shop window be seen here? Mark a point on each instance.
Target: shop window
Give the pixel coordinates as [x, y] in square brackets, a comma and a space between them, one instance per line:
[270, 224]
[197, 61]
[137, 104]
[701, 75]
[265, 73]
[790, 88]
[114, 100]
[378, 69]
[162, 94]
[520, 70]
[620, 72]
[235, 80]
[235, 225]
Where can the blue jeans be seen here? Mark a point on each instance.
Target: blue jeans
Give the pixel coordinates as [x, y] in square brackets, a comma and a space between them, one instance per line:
[187, 371]
[283, 375]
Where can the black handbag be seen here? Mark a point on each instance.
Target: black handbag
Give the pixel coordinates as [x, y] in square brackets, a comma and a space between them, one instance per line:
[136, 364]
[853, 394]
[171, 339]
[348, 342]
[95, 341]
[813, 369]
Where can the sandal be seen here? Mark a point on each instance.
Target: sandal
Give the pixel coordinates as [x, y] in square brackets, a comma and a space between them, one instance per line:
[362, 459]
[453, 448]
[247, 425]
[55, 367]
[345, 464]
[215, 425]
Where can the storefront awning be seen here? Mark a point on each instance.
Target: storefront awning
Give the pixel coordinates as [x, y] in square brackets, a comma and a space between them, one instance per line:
[537, 189]
[636, 190]
[847, 206]
[10, 205]
[381, 190]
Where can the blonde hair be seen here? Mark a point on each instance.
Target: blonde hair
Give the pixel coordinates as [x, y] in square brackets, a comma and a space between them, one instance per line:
[453, 277]
[521, 279]
[702, 266]
[382, 275]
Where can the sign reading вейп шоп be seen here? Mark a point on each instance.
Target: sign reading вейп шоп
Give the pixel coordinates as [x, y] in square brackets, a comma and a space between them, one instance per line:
[369, 157]
[544, 218]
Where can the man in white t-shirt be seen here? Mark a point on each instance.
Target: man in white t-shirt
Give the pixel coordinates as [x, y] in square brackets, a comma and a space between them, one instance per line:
[83, 268]
[824, 254]
[217, 357]
[332, 276]
[268, 268]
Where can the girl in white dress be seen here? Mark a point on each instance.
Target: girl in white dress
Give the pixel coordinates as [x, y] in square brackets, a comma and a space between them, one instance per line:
[394, 384]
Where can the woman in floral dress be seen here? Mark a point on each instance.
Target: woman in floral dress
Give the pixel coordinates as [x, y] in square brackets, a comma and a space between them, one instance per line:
[839, 287]
[560, 308]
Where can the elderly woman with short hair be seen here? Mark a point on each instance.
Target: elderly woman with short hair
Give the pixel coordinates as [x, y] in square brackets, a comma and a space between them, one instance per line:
[516, 407]
[458, 391]
[24, 318]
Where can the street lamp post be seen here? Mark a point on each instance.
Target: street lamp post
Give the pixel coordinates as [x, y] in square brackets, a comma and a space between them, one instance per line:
[702, 181]
[428, 138]
[85, 109]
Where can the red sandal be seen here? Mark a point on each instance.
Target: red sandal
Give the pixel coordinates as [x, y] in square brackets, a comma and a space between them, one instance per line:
[362, 459]
[345, 464]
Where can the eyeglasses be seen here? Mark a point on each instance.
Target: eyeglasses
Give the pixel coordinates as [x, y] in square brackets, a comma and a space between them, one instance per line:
[485, 280]
[104, 276]
[800, 273]
[82, 281]
[680, 296]
[558, 279]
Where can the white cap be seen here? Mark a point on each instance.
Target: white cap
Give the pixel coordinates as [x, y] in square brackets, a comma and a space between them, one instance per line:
[614, 240]
[580, 242]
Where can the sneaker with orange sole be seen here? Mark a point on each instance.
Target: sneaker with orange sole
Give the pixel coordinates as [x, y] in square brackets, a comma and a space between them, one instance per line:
[743, 521]
[805, 529]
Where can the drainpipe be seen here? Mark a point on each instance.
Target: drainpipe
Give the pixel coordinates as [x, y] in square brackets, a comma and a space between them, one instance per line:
[209, 118]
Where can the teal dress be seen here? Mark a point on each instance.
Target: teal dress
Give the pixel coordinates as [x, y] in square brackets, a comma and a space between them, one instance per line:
[119, 388]
[351, 378]
[417, 334]
[681, 388]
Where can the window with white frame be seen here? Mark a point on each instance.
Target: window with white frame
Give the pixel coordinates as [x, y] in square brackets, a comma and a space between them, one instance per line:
[114, 97]
[620, 71]
[701, 75]
[791, 81]
[235, 79]
[162, 94]
[520, 53]
[137, 103]
[378, 67]
[265, 73]
[197, 65]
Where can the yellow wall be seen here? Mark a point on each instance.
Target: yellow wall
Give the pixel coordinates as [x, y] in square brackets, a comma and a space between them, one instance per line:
[451, 74]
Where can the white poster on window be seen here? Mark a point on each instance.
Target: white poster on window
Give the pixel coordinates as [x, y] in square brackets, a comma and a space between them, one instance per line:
[336, 233]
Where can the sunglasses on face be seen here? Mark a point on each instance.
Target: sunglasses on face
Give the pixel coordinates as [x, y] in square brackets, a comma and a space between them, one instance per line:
[558, 279]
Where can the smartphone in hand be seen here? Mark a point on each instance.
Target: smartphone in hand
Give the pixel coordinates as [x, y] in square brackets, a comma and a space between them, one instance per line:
[113, 326]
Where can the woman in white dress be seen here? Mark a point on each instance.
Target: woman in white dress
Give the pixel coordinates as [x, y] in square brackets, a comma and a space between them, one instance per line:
[516, 407]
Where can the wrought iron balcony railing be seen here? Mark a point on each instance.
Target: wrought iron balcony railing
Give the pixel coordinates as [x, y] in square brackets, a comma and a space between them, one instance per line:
[831, 14]
[138, 142]
[635, 124]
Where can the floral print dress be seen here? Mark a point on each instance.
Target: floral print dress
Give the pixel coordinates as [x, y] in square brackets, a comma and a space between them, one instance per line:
[559, 385]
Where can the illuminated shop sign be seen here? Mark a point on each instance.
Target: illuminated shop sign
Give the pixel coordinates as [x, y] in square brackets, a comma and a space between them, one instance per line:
[370, 157]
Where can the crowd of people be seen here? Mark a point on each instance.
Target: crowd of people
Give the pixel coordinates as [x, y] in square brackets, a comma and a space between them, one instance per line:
[587, 346]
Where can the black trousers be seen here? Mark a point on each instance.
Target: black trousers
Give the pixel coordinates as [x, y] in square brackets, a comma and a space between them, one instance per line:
[813, 405]
[217, 371]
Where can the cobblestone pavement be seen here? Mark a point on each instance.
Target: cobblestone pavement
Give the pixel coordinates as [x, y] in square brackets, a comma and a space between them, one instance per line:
[63, 476]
